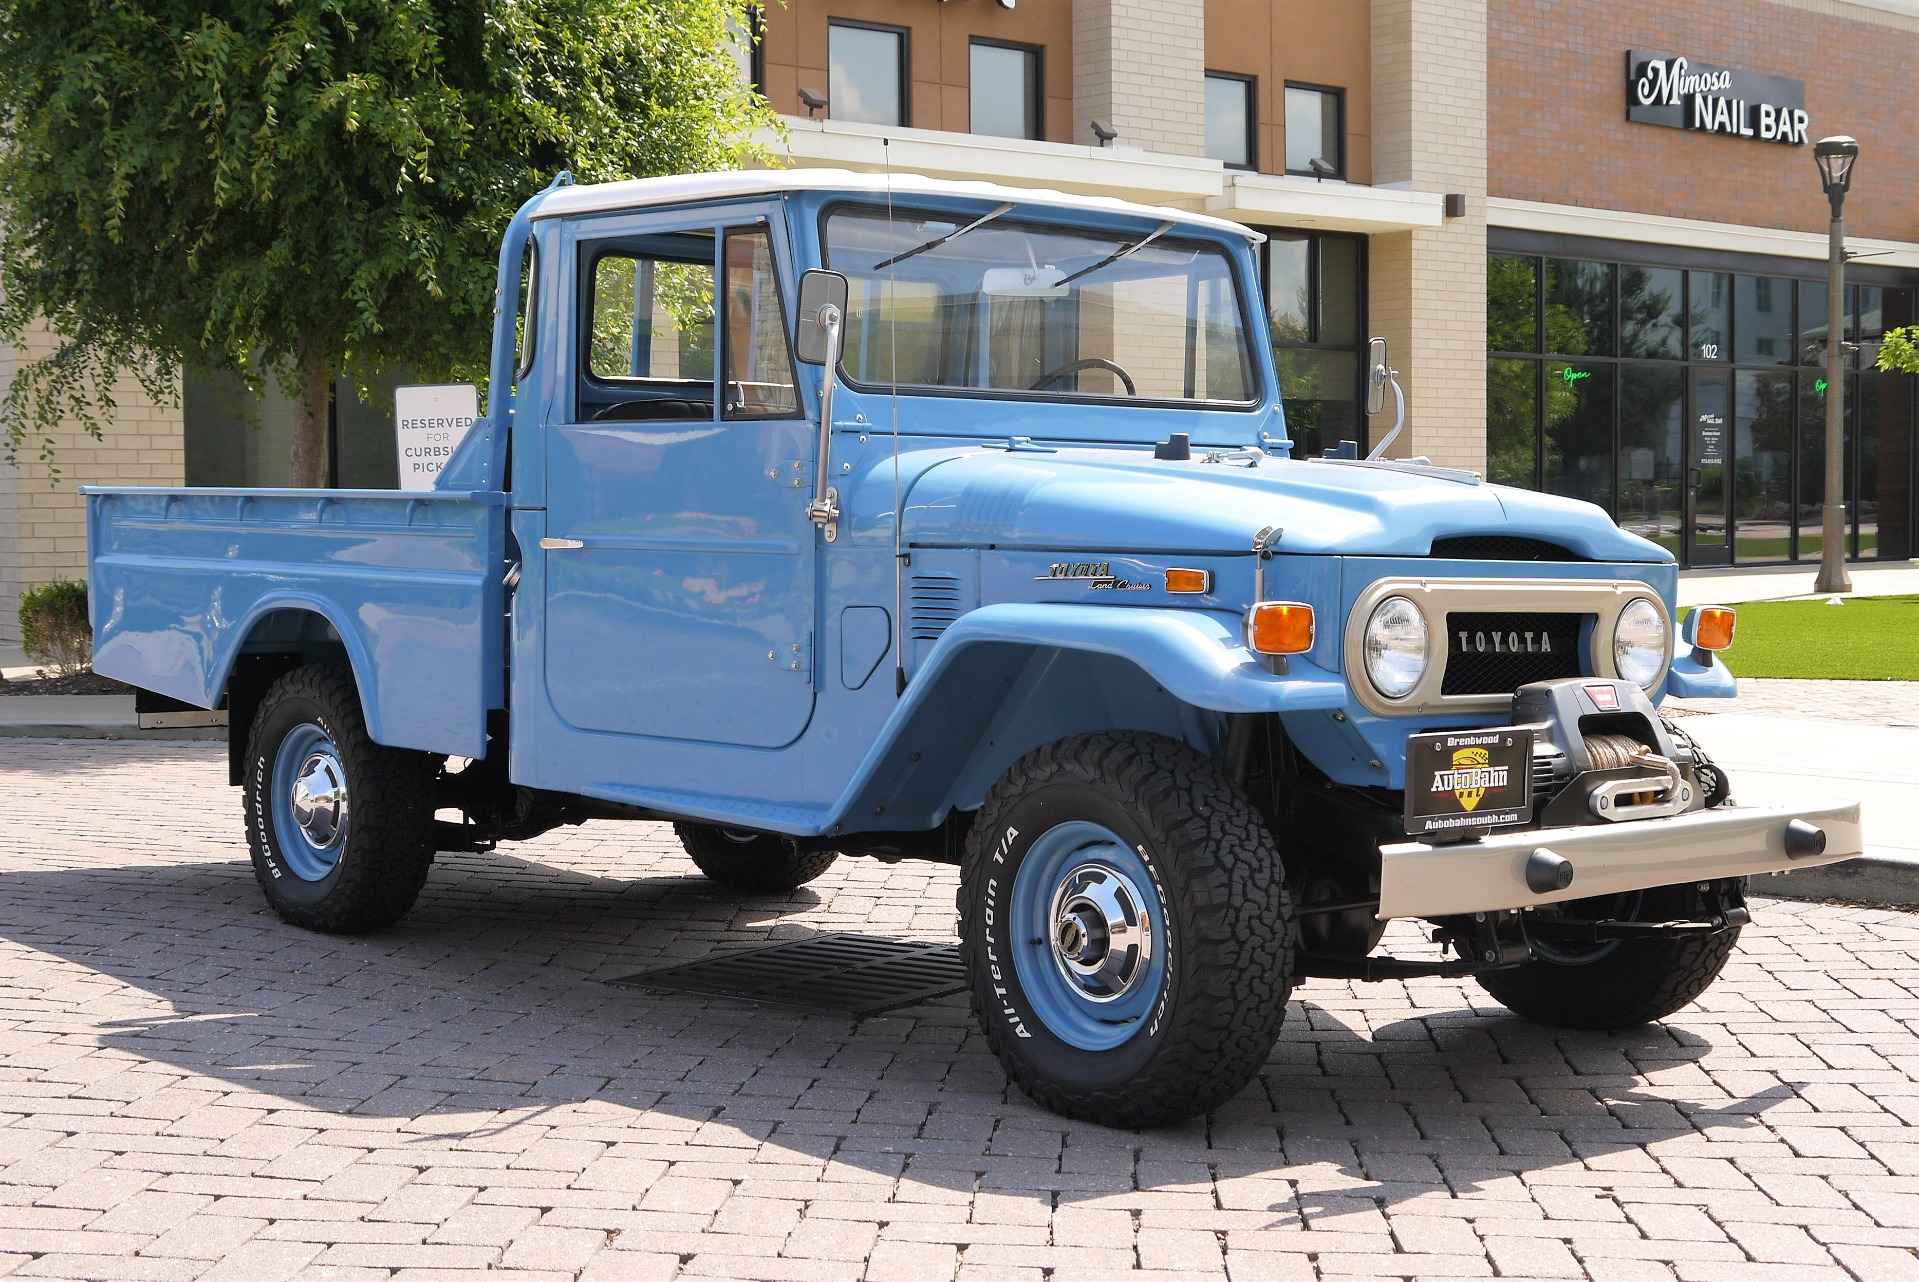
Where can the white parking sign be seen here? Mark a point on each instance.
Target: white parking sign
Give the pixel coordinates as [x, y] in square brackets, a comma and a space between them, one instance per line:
[430, 422]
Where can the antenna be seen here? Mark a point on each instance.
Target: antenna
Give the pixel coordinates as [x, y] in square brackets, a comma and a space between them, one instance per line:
[893, 378]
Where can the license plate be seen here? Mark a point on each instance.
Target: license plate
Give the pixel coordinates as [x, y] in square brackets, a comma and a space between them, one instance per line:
[1462, 781]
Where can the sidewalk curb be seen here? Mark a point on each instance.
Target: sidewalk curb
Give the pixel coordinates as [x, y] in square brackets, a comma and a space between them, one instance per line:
[1867, 879]
[217, 733]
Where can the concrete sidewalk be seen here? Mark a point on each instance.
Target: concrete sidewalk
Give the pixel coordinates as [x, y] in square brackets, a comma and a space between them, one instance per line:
[1792, 582]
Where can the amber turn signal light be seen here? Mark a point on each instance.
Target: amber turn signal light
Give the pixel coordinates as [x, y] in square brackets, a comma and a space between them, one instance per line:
[1279, 627]
[1189, 580]
[1713, 629]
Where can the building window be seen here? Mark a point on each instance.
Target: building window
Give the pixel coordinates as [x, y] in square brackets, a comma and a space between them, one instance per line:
[1667, 395]
[747, 34]
[1004, 89]
[1315, 131]
[1316, 301]
[1231, 125]
[866, 73]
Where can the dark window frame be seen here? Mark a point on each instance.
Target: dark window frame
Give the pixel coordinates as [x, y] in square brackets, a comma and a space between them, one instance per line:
[905, 35]
[1619, 255]
[1038, 54]
[1338, 94]
[1252, 118]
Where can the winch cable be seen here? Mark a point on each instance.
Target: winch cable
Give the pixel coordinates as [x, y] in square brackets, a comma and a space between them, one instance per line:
[1615, 751]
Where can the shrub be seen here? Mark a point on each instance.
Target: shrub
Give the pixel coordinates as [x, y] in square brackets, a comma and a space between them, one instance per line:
[54, 628]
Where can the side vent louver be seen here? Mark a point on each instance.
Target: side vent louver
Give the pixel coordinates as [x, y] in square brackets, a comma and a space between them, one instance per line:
[932, 603]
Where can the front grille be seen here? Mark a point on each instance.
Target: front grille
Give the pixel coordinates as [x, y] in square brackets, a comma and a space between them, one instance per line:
[1497, 652]
[1501, 547]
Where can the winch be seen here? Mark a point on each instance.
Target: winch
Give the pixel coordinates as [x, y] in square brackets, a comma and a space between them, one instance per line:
[1613, 757]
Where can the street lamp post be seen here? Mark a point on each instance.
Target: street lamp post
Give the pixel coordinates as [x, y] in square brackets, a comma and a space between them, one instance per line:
[1835, 157]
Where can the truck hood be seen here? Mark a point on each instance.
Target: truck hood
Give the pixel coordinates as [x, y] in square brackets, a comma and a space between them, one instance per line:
[1106, 500]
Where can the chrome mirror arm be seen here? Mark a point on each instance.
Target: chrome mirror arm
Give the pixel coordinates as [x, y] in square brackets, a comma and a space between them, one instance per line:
[824, 510]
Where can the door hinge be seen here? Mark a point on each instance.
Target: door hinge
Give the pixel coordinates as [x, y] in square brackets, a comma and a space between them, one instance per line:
[794, 474]
[797, 657]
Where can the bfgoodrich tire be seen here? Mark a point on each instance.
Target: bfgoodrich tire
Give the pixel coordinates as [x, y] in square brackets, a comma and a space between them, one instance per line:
[1126, 930]
[757, 863]
[339, 826]
[1622, 983]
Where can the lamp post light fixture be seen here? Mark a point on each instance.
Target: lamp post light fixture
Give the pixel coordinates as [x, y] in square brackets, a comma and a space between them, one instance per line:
[1835, 157]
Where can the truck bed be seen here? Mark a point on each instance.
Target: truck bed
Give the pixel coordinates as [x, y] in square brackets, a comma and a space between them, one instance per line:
[409, 583]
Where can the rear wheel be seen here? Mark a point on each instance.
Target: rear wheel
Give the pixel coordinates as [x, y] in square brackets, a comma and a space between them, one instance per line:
[1621, 983]
[755, 862]
[339, 827]
[1126, 930]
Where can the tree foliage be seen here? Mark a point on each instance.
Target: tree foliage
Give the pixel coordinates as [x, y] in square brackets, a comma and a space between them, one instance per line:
[1899, 353]
[307, 189]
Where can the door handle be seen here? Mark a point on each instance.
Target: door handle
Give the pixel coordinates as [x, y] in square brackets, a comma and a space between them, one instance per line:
[557, 545]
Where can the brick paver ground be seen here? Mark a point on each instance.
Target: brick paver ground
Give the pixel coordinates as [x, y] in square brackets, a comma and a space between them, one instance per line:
[1875, 703]
[190, 1089]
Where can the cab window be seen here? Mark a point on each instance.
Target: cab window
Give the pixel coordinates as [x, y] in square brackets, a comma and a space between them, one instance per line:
[650, 329]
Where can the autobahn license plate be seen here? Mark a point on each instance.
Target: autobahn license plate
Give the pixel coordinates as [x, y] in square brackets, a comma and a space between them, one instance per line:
[1462, 781]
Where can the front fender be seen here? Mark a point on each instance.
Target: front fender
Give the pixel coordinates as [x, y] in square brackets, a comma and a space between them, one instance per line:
[1688, 678]
[1006, 678]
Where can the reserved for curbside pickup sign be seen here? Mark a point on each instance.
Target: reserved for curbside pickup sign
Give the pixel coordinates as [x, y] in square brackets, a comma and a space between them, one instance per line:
[430, 422]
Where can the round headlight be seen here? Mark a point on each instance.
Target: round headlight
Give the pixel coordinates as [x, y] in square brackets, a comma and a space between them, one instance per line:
[1639, 643]
[1395, 647]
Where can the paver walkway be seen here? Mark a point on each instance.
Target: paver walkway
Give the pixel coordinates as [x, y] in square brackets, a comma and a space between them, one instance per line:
[190, 1089]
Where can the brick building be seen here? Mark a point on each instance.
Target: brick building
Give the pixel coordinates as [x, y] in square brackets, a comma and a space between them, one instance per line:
[1578, 300]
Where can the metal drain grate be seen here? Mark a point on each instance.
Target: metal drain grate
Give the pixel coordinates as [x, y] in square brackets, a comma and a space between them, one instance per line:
[840, 974]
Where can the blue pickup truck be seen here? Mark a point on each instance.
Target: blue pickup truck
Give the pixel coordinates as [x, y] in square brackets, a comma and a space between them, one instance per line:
[822, 514]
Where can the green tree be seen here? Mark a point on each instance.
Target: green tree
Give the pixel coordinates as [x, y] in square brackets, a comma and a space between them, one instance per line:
[310, 189]
[1899, 353]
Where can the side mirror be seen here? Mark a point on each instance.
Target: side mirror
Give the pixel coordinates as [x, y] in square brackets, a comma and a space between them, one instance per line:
[822, 307]
[1377, 374]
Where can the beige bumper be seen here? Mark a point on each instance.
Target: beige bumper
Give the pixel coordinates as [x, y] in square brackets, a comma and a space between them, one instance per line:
[1422, 880]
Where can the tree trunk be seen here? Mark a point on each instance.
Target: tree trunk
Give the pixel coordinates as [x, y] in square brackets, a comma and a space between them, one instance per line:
[307, 465]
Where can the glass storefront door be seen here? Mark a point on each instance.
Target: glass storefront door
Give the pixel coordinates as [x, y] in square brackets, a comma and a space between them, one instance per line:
[1708, 472]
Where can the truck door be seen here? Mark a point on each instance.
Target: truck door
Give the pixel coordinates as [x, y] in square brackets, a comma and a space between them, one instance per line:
[680, 564]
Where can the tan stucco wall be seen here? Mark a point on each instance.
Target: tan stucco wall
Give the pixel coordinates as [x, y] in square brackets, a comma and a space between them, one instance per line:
[1428, 287]
[43, 532]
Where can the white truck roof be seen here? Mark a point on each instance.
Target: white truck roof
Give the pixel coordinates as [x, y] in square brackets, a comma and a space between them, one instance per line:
[594, 198]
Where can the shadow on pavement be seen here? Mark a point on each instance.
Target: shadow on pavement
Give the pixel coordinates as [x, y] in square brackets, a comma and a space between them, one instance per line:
[487, 1006]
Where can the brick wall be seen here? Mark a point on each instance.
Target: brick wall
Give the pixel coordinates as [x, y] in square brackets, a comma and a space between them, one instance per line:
[1141, 65]
[1428, 287]
[43, 532]
[1558, 111]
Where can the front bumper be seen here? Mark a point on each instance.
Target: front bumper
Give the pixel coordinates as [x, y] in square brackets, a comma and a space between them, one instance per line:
[1419, 879]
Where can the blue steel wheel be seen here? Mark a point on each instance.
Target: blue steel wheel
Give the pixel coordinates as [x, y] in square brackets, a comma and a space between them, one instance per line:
[1094, 959]
[310, 804]
[1126, 929]
[339, 827]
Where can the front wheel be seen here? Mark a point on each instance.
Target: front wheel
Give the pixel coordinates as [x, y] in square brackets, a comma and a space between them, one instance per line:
[1621, 983]
[1126, 930]
[339, 827]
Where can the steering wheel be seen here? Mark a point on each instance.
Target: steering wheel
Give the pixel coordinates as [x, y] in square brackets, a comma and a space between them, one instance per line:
[1091, 362]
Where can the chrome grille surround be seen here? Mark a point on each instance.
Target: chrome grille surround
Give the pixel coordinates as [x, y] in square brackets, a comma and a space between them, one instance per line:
[1436, 598]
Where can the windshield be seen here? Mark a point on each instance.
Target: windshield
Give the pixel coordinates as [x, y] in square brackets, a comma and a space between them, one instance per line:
[1037, 310]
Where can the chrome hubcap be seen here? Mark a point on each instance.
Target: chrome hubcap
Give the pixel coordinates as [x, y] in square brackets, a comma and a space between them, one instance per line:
[1102, 936]
[319, 797]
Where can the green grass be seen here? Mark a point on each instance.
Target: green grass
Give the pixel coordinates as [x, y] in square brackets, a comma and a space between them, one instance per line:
[1866, 639]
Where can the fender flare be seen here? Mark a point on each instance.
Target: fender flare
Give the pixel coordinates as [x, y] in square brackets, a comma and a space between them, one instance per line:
[350, 640]
[1197, 658]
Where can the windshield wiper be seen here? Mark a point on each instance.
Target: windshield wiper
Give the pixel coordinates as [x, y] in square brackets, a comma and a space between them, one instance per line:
[1122, 252]
[937, 241]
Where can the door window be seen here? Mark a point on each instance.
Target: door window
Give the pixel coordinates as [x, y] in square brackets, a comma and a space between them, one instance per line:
[650, 330]
[759, 367]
